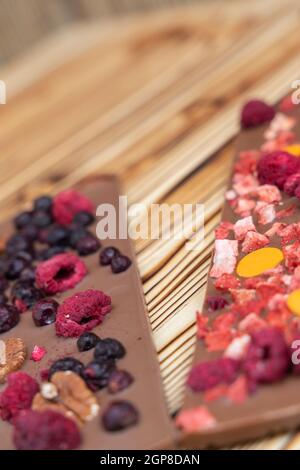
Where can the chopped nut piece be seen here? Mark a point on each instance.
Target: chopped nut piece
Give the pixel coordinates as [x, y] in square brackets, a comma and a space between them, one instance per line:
[12, 356]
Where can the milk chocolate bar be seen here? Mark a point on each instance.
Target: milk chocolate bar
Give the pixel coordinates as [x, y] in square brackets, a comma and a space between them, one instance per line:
[244, 382]
[126, 322]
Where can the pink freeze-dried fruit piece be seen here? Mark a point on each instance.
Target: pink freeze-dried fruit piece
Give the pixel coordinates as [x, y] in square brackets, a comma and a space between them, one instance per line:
[18, 394]
[195, 419]
[242, 226]
[275, 168]
[206, 375]
[255, 113]
[225, 255]
[82, 312]
[38, 353]
[254, 241]
[216, 302]
[46, 430]
[68, 203]
[226, 282]
[60, 273]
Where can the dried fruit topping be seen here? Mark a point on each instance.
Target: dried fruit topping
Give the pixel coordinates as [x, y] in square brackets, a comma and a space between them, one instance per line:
[9, 317]
[68, 203]
[68, 394]
[109, 348]
[206, 375]
[18, 395]
[267, 358]
[43, 203]
[97, 374]
[23, 219]
[58, 235]
[195, 419]
[216, 302]
[87, 245]
[44, 312]
[25, 295]
[12, 356]
[38, 353]
[60, 273]
[48, 430]
[119, 380]
[67, 363]
[82, 312]
[87, 341]
[107, 254]
[119, 415]
[276, 167]
[255, 113]
[83, 218]
[120, 263]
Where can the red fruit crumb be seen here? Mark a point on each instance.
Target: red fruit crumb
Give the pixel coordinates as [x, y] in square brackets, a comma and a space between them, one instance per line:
[287, 212]
[202, 322]
[254, 241]
[291, 184]
[60, 273]
[67, 203]
[246, 163]
[242, 295]
[224, 259]
[206, 375]
[216, 302]
[218, 340]
[222, 231]
[18, 394]
[47, 430]
[238, 391]
[276, 167]
[287, 104]
[265, 212]
[195, 419]
[242, 226]
[255, 113]
[227, 281]
[244, 185]
[252, 322]
[268, 193]
[267, 359]
[215, 393]
[82, 312]
[38, 353]
[44, 375]
[244, 206]
[292, 255]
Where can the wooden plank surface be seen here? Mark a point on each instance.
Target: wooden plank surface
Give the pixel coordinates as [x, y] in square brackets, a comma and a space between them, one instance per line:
[156, 101]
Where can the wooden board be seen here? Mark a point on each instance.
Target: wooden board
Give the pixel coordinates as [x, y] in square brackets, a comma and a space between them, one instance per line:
[154, 99]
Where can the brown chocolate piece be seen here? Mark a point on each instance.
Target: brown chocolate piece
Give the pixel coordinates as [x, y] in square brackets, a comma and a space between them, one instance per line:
[272, 408]
[126, 322]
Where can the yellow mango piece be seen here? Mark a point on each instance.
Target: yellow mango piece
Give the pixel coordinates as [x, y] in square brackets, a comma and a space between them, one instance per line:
[259, 261]
[294, 149]
[293, 301]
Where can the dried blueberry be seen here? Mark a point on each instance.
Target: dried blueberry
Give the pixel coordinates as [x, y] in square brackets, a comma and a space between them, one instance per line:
[119, 380]
[41, 219]
[83, 218]
[17, 243]
[14, 268]
[107, 255]
[109, 348]
[120, 263]
[43, 203]
[119, 415]
[96, 374]
[87, 341]
[26, 293]
[67, 363]
[48, 253]
[77, 233]
[28, 275]
[9, 317]
[30, 232]
[58, 235]
[3, 263]
[26, 256]
[23, 219]
[44, 312]
[3, 298]
[87, 245]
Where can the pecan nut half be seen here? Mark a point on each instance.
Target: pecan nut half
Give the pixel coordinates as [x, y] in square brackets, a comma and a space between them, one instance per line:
[12, 356]
[68, 394]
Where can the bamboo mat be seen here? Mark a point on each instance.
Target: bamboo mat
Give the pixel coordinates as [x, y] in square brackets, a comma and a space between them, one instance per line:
[154, 99]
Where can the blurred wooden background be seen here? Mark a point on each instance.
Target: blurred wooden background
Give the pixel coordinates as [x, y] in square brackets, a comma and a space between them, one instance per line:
[24, 22]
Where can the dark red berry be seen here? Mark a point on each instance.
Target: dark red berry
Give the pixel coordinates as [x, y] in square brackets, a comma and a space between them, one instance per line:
[109, 348]
[9, 317]
[83, 218]
[67, 363]
[43, 203]
[17, 243]
[255, 113]
[97, 374]
[119, 415]
[107, 255]
[216, 302]
[48, 253]
[120, 263]
[23, 219]
[46, 430]
[58, 235]
[87, 341]
[28, 275]
[209, 374]
[44, 312]
[276, 167]
[14, 268]
[87, 245]
[41, 219]
[77, 233]
[119, 380]
[18, 395]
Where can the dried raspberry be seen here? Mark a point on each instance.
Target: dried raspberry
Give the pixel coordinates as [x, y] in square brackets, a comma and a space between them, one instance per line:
[206, 375]
[68, 203]
[218, 340]
[38, 353]
[252, 322]
[216, 302]
[227, 281]
[60, 273]
[18, 394]
[267, 359]
[291, 184]
[195, 419]
[202, 322]
[254, 241]
[81, 312]
[246, 163]
[292, 255]
[47, 430]
[238, 391]
[222, 231]
[276, 167]
[288, 233]
[255, 113]
[268, 193]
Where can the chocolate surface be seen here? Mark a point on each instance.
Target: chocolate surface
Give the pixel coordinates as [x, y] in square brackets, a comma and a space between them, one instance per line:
[272, 408]
[126, 322]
